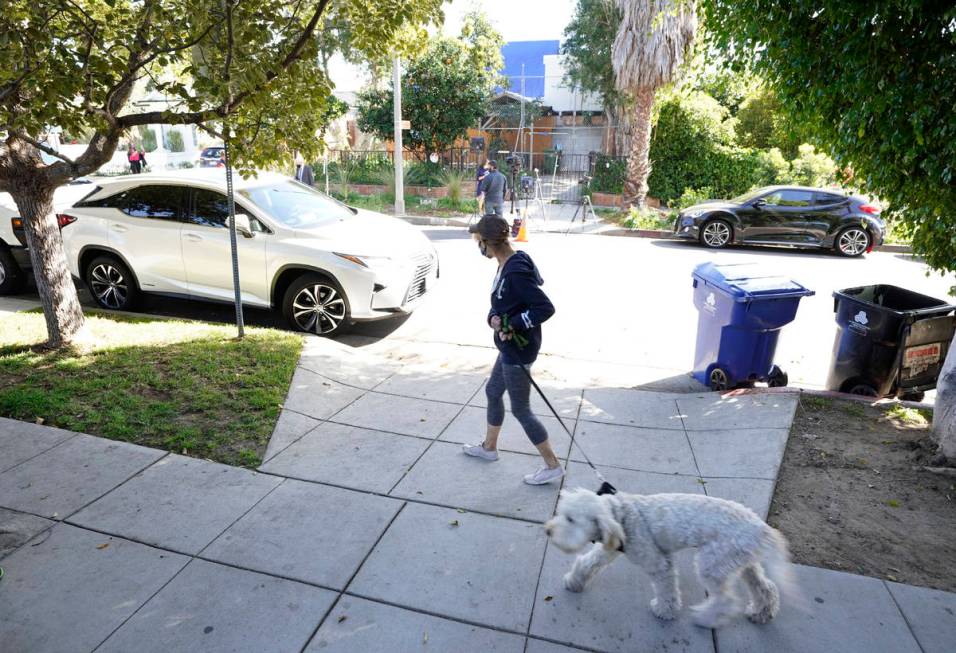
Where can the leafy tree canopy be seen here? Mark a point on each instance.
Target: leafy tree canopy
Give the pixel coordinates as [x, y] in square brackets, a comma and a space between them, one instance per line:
[73, 64]
[874, 83]
[444, 92]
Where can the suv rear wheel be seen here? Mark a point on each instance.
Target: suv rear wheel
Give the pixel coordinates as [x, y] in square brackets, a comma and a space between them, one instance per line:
[111, 283]
[316, 304]
[11, 276]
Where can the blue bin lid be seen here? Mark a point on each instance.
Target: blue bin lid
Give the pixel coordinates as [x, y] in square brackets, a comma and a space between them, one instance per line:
[749, 281]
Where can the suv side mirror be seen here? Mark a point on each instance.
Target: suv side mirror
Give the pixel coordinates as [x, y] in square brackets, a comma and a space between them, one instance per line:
[759, 204]
[244, 225]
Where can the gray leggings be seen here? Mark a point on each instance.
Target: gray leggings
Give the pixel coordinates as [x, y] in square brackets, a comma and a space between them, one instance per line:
[515, 381]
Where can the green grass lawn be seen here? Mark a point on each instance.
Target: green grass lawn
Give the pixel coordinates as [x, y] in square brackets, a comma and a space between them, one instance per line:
[188, 387]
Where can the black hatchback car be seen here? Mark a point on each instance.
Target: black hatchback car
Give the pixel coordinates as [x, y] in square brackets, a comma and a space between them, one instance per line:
[211, 157]
[786, 215]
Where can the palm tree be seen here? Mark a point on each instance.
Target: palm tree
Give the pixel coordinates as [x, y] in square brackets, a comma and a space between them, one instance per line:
[651, 44]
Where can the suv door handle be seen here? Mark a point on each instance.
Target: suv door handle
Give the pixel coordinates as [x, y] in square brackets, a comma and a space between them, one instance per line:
[120, 227]
[194, 238]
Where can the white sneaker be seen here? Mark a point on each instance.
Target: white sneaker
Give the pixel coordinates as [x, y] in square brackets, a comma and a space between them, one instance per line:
[479, 451]
[544, 475]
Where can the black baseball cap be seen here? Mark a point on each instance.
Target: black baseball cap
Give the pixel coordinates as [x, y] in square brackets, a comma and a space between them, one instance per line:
[491, 228]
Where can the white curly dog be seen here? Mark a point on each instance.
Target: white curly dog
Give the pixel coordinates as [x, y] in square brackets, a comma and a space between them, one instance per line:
[732, 541]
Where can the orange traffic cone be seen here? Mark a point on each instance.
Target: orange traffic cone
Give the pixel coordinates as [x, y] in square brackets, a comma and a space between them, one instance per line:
[522, 232]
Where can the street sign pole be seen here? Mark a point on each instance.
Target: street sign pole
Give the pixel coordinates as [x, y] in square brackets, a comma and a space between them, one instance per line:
[233, 245]
[399, 172]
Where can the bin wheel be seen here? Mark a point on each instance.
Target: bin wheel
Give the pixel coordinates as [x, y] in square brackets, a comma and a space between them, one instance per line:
[719, 380]
[777, 378]
[912, 396]
[864, 390]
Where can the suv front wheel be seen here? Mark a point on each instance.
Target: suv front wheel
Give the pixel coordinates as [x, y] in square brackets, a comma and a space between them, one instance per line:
[316, 304]
[111, 283]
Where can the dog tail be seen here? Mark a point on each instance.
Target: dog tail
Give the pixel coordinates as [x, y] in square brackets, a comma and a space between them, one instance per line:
[775, 556]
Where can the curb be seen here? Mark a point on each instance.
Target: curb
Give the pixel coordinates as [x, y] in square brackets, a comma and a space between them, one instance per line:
[423, 221]
[639, 233]
[827, 394]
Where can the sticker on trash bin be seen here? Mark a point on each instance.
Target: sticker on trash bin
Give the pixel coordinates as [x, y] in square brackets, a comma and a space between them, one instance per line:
[918, 359]
[710, 304]
[858, 325]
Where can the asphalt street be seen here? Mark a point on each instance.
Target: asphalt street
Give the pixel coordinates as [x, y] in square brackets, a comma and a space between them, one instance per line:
[621, 302]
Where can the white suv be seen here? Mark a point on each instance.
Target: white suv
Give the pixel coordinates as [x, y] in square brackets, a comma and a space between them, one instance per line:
[321, 262]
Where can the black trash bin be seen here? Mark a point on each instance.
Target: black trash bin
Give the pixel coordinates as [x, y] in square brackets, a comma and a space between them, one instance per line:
[890, 342]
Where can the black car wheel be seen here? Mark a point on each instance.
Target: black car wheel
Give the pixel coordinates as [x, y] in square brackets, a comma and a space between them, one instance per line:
[316, 304]
[715, 234]
[11, 276]
[853, 242]
[111, 283]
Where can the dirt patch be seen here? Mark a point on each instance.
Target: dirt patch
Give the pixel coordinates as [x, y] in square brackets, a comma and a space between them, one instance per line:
[852, 496]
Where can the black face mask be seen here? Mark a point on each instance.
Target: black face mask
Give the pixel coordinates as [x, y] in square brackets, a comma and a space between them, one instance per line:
[483, 248]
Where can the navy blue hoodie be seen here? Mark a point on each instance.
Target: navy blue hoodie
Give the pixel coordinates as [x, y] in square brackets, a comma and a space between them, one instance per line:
[517, 293]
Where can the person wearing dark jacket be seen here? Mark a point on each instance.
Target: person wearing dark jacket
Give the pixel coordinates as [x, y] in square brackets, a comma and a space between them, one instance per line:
[518, 307]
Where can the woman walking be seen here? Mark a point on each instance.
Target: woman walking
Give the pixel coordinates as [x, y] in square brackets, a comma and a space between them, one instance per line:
[518, 307]
[132, 155]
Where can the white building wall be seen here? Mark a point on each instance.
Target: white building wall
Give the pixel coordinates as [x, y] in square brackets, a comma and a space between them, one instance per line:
[558, 95]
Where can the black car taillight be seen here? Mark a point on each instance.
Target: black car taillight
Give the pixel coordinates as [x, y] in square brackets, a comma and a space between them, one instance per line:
[871, 209]
[64, 220]
[18, 230]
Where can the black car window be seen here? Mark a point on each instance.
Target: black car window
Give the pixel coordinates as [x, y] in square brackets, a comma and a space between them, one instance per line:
[209, 209]
[789, 198]
[114, 201]
[211, 152]
[823, 199]
[157, 202]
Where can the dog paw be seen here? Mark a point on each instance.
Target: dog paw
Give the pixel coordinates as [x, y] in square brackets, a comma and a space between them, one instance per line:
[761, 616]
[572, 583]
[664, 609]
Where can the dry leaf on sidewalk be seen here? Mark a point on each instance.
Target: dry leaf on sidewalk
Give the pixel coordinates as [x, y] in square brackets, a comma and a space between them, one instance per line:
[103, 546]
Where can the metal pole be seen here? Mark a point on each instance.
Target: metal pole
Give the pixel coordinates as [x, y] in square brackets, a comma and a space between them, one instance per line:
[233, 244]
[521, 123]
[399, 162]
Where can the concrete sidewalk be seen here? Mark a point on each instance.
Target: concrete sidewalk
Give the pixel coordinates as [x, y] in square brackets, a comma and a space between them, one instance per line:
[366, 529]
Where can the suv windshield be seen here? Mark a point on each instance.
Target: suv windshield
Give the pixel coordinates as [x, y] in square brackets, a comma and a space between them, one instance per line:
[211, 152]
[297, 206]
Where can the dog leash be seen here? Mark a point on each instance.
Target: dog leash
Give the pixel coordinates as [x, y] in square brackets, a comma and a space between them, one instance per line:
[606, 488]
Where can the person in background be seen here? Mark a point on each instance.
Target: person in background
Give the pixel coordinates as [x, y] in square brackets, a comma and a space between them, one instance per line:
[142, 159]
[303, 171]
[491, 191]
[222, 159]
[132, 155]
[479, 175]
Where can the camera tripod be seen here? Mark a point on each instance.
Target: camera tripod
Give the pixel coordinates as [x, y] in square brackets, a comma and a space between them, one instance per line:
[584, 206]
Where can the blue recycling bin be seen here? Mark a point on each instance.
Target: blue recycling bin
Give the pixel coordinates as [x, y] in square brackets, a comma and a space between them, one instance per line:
[741, 309]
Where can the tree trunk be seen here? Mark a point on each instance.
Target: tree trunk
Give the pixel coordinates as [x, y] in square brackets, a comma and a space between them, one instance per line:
[944, 415]
[638, 165]
[61, 306]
